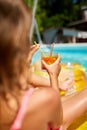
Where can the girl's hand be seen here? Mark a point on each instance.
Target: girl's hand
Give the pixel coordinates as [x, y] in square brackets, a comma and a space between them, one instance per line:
[54, 68]
[32, 50]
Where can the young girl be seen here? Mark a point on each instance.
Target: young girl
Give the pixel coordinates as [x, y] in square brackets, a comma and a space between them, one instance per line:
[23, 106]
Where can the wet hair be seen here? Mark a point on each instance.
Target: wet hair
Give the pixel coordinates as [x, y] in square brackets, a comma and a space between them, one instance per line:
[14, 42]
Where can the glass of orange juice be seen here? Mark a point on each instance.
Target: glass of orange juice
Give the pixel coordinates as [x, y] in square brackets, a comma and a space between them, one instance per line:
[48, 57]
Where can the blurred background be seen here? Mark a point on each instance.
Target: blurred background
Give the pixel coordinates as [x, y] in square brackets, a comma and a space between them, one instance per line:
[59, 21]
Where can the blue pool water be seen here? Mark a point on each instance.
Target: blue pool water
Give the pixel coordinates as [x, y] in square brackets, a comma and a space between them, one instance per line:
[74, 53]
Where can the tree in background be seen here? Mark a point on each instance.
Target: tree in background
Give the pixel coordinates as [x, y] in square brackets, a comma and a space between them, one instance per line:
[57, 13]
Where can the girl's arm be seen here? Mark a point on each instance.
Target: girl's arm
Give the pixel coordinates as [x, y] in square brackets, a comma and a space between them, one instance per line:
[42, 81]
[53, 71]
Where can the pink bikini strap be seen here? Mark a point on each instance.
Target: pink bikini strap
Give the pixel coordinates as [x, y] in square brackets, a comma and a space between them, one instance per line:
[21, 113]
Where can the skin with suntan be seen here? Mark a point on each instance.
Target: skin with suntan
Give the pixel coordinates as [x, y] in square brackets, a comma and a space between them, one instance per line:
[45, 105]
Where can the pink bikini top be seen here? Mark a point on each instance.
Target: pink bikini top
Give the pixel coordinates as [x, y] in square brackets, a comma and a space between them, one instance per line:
[20, 116]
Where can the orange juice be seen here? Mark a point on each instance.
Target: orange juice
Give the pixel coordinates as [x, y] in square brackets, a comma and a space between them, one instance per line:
[49, 59]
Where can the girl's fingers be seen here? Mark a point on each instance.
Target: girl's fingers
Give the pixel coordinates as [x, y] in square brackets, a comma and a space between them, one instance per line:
[58, 59]
[33, 49]
[33, 46]
[43, 63]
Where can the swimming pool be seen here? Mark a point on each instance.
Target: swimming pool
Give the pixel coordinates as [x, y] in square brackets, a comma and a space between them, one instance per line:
[74, 53]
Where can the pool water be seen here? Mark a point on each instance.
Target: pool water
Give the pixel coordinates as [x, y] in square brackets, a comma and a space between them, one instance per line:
[73, 53]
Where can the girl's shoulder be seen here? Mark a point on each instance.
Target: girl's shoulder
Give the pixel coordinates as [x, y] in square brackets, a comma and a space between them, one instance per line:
[42, 98]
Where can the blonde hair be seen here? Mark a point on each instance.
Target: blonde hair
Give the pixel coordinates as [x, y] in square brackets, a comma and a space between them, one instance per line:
[14, 42]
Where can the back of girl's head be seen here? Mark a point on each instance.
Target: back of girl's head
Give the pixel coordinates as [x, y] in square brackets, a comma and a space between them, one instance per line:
[15, 20]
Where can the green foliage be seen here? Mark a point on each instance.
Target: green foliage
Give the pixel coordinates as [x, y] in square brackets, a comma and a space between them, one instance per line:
[29, 2]
[58, 13]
